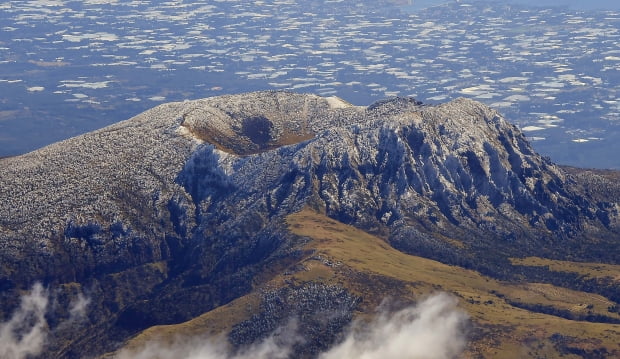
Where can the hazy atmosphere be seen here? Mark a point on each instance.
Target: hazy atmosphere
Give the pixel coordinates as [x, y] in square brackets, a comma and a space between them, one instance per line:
[67, 67]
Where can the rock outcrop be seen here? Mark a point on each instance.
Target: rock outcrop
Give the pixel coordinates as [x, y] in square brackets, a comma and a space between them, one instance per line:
[176, 211]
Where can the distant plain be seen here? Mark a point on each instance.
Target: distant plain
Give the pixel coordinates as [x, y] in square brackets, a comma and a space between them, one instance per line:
[67, 68]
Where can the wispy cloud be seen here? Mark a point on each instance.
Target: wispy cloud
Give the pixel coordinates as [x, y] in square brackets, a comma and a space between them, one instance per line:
[279, 345]
[434, 329]
[25, 333]
[78, 308]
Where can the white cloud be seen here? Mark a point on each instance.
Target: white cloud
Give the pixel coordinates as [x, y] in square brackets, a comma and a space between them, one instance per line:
[277, 346]
[77, 308]
[533, 128]
[25, 333]
[434, 329]
[83, 84]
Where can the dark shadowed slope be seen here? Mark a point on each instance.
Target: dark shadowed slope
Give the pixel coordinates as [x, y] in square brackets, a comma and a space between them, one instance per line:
[209, 206]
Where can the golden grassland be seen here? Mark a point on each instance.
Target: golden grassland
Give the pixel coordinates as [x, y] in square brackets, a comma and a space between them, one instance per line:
[371, 268]
[591, 270]
[209, 325]
[485, 299]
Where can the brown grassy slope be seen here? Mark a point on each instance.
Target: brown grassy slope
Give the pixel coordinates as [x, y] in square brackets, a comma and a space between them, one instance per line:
[369, 267]
[483, 298]
[587, 270]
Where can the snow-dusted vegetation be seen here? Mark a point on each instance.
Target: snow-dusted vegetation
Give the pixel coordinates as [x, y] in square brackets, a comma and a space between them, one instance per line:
[174, 212]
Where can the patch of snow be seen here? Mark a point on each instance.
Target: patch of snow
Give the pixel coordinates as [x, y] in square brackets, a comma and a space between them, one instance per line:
[337, 102]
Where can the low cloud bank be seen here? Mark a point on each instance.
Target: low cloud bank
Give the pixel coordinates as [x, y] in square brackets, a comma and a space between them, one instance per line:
[277, 346]
[25, 334]
[433, 329]
[78, 308]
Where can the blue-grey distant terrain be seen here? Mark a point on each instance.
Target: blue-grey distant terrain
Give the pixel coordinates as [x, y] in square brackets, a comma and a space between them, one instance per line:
[68, 67]
[573, 4]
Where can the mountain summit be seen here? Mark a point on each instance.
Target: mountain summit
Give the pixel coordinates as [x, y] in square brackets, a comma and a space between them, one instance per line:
[237, 213]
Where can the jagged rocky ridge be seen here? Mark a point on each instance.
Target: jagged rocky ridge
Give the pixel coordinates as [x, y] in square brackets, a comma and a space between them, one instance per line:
[174, 212]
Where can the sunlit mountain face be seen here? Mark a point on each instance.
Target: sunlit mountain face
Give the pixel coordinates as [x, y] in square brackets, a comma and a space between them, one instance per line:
[69, 67]
[274, 224]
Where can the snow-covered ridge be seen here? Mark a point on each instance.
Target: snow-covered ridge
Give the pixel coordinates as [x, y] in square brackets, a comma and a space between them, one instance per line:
[205, 185]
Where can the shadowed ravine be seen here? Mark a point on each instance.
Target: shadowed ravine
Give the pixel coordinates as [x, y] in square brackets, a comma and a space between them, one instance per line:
[234, 217]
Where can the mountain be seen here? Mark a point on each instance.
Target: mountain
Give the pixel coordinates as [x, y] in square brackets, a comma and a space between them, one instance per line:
[235, 215]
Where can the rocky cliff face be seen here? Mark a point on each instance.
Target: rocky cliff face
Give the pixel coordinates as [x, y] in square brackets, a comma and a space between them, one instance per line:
[181, 209]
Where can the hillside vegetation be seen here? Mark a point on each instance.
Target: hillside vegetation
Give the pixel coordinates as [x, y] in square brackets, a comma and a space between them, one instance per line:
[505, 322]
[246, 216]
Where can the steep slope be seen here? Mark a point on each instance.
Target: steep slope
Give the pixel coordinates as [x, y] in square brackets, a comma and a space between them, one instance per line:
[184, 208]
[341, 256]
